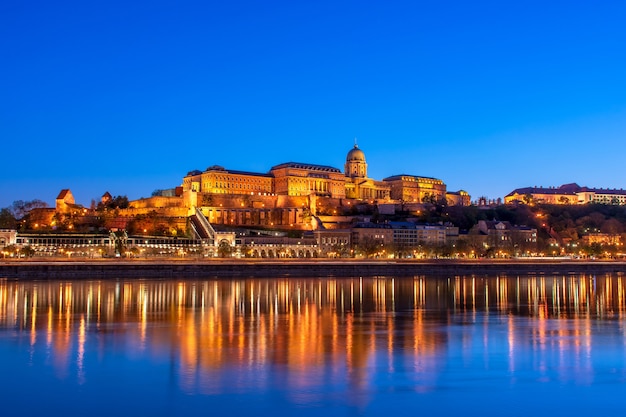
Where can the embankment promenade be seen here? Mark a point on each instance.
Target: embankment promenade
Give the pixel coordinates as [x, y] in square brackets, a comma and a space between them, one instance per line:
[221, 268]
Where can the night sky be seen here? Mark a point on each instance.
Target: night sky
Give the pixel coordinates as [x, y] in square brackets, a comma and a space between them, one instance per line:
[127, 97]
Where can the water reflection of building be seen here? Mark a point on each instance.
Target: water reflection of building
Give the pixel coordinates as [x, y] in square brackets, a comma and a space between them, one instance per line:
[313, 328]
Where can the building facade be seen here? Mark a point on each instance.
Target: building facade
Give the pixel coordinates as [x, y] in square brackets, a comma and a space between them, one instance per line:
[371, 239]
[414, 189]
[296, 179]
[411, 235]
[7, 237]
[303, 179]
[218, 180]
[566, 194]
[334, 243]
[502, 235]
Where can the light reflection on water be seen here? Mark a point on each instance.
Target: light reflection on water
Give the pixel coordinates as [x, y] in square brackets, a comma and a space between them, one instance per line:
[475, 345]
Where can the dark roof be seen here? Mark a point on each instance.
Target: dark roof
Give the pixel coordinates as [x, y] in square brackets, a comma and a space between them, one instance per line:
[412, 225]
[402, 225]
[603, 190]
[569, 189]
[491, 224]
[310, 167]
[368, 225]
[227, 171]
[400, 176]
[232, 171]
[63, 194]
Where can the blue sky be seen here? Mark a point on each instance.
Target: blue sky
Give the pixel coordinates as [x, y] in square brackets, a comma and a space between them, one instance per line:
[127, 97]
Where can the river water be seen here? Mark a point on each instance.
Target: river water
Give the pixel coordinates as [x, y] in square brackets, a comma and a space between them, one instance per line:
[469, 345]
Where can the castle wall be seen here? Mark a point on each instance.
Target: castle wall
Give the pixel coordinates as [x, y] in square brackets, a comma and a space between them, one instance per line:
[157, 202]
[162, 211]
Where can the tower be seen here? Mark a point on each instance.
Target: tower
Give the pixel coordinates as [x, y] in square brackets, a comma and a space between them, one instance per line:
[356, 167]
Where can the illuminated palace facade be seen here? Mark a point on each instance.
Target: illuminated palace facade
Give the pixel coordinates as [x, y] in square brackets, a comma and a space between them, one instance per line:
[300, 179]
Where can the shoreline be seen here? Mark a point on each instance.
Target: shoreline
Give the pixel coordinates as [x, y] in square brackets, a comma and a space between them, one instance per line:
[285, 268]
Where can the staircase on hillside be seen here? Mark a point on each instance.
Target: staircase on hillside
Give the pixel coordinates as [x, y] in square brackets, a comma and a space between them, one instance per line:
[201, 226]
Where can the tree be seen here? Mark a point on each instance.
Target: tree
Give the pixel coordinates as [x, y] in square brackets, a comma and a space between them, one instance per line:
[246, 251]
[7, 219]
[612, 226]
[206, 200]
[446, 250]
[340, 250]
[369, 246]
[429, 198]
[224, 249]
[20, 208]
[118, 202]
[528, 199]
[27, 251]
[119, 238]
[306, 216]
[11, 250]
[400, 250]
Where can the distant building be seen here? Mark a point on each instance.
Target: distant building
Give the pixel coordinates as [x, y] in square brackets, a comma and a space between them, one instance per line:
[65, 201]
[106, 197]
[367, 233]
[411, 188]
[410, 235]
[218, 180]
[601, 239]
[458, 198]
[566, 194]
[279, 247]
[502, 235]
[336, 242]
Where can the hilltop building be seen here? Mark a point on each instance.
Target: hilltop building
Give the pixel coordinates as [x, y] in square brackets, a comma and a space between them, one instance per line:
[566, 194]
[65, 201]
[303, 179]
[292, 196]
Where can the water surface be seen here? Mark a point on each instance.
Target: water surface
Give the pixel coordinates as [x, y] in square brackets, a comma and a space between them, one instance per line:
[429, 345]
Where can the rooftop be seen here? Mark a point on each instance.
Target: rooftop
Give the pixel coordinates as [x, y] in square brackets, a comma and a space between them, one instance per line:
[566, 189]
[407, 177]
[310, 167]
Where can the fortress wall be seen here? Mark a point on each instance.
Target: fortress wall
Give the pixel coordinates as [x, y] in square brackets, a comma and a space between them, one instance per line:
[157, 202]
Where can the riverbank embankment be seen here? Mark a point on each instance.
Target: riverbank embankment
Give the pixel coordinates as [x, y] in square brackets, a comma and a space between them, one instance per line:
[214, 268]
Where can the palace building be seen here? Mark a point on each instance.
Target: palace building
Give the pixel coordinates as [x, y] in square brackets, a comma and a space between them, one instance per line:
[303, 179]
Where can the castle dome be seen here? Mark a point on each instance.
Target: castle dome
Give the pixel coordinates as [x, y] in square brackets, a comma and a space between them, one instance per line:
[355, 154]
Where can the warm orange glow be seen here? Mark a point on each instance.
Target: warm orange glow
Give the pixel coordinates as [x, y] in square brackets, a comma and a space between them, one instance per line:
[305, 324]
